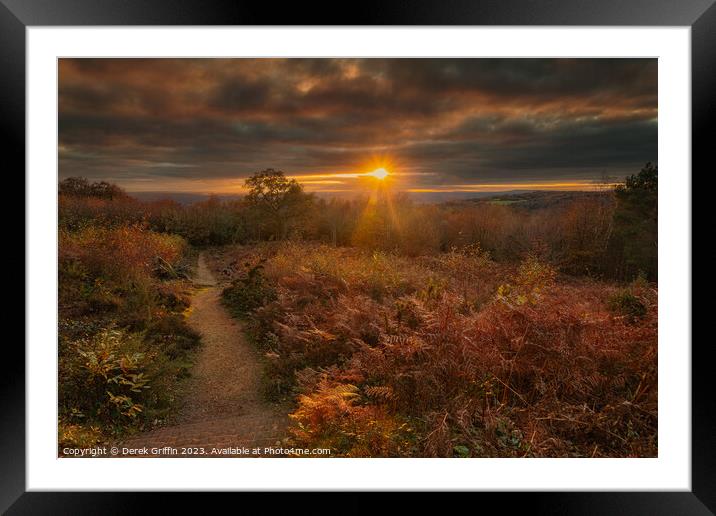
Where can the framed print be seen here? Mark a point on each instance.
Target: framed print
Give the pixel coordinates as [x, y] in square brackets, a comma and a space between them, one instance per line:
[426, 251]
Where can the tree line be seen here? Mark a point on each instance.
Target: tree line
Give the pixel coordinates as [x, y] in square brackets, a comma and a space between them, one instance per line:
[611, 235]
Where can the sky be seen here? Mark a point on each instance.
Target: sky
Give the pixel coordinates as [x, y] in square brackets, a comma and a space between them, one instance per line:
[436, 125]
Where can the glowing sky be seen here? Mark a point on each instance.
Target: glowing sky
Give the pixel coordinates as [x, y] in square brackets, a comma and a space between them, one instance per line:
[447, 125]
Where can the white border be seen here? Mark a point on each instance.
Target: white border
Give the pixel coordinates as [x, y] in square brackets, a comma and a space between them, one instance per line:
[670, 471]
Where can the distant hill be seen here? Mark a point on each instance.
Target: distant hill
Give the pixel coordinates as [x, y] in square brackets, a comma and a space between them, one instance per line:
[528, 199]
[186, 198]
[437, 197]
[536, 199]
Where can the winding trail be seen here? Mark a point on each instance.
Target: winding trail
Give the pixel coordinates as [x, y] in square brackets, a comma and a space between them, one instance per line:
[222, 405]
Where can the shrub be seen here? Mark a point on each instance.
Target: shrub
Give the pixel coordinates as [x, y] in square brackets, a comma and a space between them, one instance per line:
[330, 417]
[105, 378]
[114, 270]
[172, 296]
[74, 435]
[248, 292]
[407, 311]
[173, 336]
[532, 280]
[626, 304]
[122, 254]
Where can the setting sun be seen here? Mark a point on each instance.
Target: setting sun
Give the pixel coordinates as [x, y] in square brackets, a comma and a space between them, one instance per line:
[379, 173]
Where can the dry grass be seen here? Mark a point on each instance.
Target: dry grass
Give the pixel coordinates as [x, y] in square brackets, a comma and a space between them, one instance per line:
[453, 355]
[121, 253]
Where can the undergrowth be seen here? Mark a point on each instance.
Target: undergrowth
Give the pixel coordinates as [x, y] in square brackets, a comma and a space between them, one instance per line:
[451, 355]
[123, 338]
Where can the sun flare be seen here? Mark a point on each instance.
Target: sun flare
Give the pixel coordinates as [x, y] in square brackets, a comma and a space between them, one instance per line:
[379, 173]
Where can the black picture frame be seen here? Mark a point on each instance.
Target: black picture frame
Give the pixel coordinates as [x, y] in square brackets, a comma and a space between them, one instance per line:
[17, 15]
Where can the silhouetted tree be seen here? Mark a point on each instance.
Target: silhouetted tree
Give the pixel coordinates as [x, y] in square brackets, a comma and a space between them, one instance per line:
[279, 203]
[81, 187]
[636, 224]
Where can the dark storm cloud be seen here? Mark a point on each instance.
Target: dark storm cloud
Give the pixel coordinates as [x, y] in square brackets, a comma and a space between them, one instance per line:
[538, 78]
[237, 95]
[453, 120]
[618, 144]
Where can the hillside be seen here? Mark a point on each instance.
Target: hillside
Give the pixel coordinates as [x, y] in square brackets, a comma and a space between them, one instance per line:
[515, 325]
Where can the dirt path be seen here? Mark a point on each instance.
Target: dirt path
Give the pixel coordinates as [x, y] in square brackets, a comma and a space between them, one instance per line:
[223, 406]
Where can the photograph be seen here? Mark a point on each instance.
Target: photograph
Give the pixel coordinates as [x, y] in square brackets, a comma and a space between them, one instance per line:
[357, 257]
